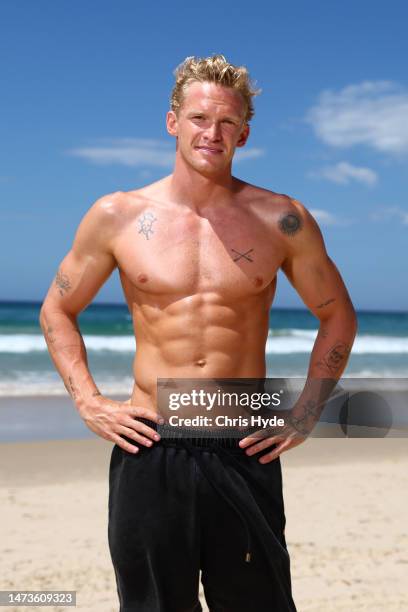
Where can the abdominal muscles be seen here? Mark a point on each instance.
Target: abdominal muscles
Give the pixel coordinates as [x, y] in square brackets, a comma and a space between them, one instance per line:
[198, 336]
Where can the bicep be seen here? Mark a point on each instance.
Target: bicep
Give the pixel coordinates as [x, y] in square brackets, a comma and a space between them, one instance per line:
[311, 272]
[84, 269]
[318, 282]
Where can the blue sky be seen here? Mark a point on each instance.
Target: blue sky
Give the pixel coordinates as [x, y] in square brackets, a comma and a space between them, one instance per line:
[85, 89]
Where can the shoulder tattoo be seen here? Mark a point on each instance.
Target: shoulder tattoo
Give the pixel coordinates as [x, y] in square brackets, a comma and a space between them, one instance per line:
[290, 223]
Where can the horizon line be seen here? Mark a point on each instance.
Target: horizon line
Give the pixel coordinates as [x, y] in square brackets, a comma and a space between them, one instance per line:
[124, 304]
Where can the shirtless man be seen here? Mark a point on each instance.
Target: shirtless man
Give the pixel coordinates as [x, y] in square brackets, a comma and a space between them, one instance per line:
[198, 253]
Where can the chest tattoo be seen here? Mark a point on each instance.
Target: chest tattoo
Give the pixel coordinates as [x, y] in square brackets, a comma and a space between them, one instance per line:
[239, 255]
[146, 224]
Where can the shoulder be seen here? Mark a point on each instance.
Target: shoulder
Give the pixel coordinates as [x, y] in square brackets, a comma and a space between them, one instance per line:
[294, 217]
[290, 219]
[105, 207]
[268, 201]
[109, 205]
[101, 220]
[287, 213]
[299, 229]
[113, 210]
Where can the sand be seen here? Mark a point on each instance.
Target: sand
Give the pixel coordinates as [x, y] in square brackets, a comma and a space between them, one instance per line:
[345, 502]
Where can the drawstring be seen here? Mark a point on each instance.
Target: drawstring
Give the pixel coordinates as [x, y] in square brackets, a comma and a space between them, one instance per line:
[197, 455]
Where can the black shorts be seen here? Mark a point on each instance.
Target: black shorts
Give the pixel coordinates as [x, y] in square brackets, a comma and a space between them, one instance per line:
[186, 505]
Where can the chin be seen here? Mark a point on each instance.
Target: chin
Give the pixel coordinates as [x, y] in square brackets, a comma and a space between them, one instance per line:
[214, 164]
[208, 170]
[205, 167]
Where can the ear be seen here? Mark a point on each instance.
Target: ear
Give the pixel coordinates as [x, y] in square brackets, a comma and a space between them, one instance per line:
[171, 123]
[243, 136]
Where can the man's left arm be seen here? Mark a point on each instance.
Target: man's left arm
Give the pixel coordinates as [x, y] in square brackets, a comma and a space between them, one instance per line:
[318, 282]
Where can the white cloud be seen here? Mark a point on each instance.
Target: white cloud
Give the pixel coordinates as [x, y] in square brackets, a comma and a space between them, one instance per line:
[143, 152]
[343, 173]
[323, 217]
[385, 213]
[242, 154]
[373, 113]
[129, 152]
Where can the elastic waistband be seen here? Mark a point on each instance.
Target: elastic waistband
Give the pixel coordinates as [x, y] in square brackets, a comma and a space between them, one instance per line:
[198, 437]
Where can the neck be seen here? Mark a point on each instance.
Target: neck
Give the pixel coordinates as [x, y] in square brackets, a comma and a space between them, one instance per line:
[191, 188]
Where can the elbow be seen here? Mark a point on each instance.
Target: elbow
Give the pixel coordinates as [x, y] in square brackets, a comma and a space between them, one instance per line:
[354, 323]
[351, 324]
[50, 309]
[42, 317]
[350, 321]
[351, 315]
[344, 319]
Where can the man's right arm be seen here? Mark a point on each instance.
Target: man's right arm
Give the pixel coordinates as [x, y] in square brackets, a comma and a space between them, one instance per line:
[80, 275]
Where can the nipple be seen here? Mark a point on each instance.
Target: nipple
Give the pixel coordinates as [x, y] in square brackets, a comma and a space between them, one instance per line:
[142, 278]
[258, 281]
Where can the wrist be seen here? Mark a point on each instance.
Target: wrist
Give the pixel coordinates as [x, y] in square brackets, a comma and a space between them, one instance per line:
[83, 401]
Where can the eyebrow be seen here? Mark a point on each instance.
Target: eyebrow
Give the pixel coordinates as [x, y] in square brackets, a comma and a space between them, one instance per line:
[200, 112]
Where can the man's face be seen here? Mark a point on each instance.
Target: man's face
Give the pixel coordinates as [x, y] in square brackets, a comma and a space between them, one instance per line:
[209, 126]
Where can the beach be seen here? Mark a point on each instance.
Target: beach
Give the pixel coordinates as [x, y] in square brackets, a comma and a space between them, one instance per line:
[345, 497]
[345, 504]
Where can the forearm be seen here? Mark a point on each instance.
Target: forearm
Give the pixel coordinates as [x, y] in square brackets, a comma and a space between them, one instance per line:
[67, 350]
[328, 361]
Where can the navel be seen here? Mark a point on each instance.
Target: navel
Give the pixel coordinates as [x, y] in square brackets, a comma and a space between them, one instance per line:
[201, 363]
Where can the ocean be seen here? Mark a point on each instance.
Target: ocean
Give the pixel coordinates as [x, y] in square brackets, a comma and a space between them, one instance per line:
[380, 349]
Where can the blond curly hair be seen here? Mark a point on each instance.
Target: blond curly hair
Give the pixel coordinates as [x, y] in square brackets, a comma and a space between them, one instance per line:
[215, 69]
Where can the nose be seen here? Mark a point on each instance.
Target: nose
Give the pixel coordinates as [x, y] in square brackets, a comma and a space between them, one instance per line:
[213, 132]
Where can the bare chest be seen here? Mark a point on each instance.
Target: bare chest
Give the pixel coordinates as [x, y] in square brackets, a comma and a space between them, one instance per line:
[230, 255]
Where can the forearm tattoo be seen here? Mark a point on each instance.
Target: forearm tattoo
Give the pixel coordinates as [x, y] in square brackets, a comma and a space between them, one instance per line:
[52, 338]
[290, 224]
[323, 332]
[49, 334]
[146, 224]
[326, 303]
[299, 422]
[71, 388]
[239, 255]
[62, 282]
[334, 359]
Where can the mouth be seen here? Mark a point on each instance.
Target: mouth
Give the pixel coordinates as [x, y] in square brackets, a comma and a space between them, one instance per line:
[209, 150]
